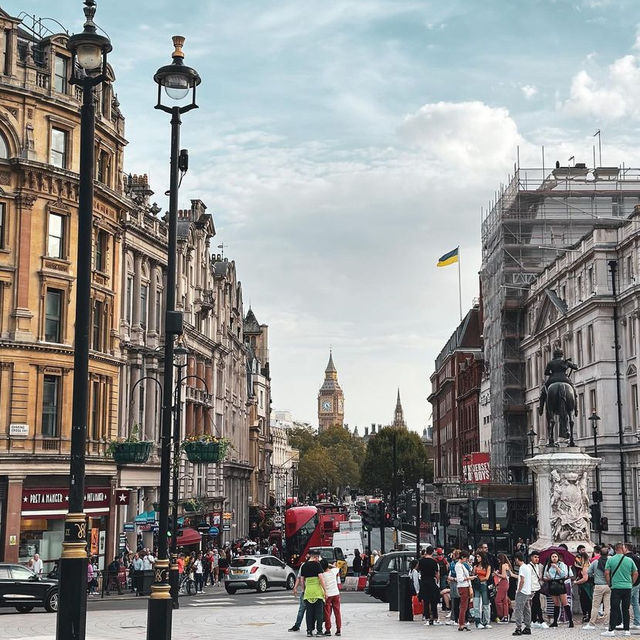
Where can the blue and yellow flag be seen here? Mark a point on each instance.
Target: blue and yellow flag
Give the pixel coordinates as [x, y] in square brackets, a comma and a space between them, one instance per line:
[448, 258]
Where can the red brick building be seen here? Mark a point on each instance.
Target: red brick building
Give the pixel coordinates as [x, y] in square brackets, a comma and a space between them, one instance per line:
[455, 393]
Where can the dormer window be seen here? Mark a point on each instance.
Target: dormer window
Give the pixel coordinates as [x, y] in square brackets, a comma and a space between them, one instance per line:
[61, 66]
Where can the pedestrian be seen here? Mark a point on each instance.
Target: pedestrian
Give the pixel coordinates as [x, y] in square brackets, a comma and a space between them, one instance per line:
[537, 617]
[632, 553]
[585, 587]
[357, 563]
[148, 561]
[299, 584]
[601, 590]
[482, 573]
[136, 578]
[366, 563]
[37, 565]
[556, 573]
[429, 585]
[315, 593]
[113, 578]
[332, 602]
[215, 566]
[374, 557]
[91, 580]
[198, 570]
[502, 588]
[443, 571]
[620, 572]
[207, 568]
[522, 608]
[463, 581]
[453, 588]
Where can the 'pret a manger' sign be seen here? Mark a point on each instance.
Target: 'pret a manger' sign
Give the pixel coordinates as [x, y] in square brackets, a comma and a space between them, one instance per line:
[58, 498]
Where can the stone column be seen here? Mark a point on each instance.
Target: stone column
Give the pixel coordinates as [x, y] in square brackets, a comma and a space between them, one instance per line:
[135, 302]
[12, 521]
[134, 400]
[562, 497]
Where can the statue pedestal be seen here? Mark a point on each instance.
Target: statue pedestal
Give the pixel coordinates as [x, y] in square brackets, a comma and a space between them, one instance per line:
[562, 497]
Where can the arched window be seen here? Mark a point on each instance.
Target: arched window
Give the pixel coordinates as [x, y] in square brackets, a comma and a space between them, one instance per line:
[4, 147]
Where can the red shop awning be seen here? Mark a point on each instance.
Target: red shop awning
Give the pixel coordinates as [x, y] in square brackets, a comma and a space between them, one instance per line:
[189, 536]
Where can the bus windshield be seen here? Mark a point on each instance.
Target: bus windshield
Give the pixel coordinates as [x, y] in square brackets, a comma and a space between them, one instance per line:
[299, 540]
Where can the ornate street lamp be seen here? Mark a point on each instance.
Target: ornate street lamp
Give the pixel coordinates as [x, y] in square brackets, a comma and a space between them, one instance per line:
[88, 68]
[531, 436]
[594, 418]
[177, 80]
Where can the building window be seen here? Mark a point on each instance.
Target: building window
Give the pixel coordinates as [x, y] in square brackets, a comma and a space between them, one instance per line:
[591, 290]
[56, 239]
[51, 407]
[53, 315]
[593, 405]
[4, 147]
[158, 326]
[630, 277]
[7, 52]
[96, 342]
[591, 349]
[579, 289]
[581, 416]
[3, 225]
[579, 351]
[634, 406]
[104, 165]
[58, 156]
[129, 301]
[101, 251]
[631, 329]
[95, 410]
[144, 297]
[60, 74]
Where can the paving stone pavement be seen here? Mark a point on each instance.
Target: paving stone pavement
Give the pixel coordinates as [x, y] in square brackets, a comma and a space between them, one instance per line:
[366, 621]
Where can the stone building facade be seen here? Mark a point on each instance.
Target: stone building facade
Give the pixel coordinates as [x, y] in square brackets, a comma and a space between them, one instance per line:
[39, 163]
[571, 305]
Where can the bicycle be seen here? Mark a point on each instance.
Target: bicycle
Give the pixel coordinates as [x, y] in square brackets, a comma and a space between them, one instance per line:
[187, 583]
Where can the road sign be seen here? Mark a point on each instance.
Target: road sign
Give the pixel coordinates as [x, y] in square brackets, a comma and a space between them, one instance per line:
[277, 520]
[129, 526]
[214, 531]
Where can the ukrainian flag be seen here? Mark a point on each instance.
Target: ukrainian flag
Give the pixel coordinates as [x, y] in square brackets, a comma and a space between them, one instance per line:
[448, 258]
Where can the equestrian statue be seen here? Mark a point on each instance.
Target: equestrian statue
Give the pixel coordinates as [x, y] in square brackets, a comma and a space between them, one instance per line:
[559, 396]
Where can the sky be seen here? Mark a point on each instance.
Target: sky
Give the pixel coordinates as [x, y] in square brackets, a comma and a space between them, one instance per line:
[342, 146]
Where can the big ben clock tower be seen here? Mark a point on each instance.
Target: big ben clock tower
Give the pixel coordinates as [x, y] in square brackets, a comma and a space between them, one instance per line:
[330, 399]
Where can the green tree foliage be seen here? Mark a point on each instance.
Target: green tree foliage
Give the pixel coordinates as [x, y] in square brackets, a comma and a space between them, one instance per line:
[412, 463]
[330, 459]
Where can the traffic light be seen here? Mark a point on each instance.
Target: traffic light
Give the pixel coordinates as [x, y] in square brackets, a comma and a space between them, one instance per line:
[596, 517]
[597, 496]
[388, 519]
[366, 519]
[444, 515]
[604, 524]
[379, 514]
[425, 512]
[464, 515]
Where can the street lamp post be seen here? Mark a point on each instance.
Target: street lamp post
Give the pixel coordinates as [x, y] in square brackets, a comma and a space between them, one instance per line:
[177, 80]
[594, 418]
[88, 68]
[532, 439]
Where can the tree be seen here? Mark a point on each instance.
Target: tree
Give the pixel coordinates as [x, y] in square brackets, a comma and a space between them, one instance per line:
[301, 438]
[316, 470]
[412, 462]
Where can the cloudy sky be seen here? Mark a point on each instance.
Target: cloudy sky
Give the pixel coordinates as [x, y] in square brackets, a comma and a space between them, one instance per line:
[344, 145]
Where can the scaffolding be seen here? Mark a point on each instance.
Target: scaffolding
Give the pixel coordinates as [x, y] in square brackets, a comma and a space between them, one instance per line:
[533, 219]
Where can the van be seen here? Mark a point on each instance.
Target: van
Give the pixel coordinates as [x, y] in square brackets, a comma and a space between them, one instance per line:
[333, 555]
[348, 541]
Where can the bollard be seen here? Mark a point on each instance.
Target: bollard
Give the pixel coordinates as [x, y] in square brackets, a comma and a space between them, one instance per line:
[404, 600]
[394, 577]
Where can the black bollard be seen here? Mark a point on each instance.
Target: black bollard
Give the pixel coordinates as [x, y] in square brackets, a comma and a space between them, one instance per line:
[394, 577]
[405, 608]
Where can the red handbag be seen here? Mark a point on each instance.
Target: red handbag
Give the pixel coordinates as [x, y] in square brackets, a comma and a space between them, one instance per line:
[417, 606]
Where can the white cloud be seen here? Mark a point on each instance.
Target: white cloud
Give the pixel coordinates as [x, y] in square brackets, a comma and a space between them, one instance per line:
[529, 91]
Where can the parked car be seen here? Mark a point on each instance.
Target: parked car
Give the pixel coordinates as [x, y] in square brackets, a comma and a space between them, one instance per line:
[378, 582]
[259, 573]
[23, 589]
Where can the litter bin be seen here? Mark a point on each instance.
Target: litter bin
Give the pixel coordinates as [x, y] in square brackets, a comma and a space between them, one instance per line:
[405, 610]
[145, 580]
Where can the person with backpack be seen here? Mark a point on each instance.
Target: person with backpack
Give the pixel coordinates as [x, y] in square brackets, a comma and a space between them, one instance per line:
[601, 590]
[621, 573]
[357, 563]
[635, 589]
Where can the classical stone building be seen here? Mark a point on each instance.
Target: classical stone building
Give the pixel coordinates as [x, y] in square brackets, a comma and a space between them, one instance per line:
[571, 305]
[39, 163]
[330, 399]
[256, 338]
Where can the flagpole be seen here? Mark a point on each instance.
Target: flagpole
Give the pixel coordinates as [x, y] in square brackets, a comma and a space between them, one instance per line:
[459, 285]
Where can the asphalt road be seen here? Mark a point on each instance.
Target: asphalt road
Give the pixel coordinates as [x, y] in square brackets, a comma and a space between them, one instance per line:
[218, 597]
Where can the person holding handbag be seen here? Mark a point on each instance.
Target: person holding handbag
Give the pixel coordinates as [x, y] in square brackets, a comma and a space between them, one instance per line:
[584, 584]
[463, 581]
[482, 572]
[537, 617]
[601, 590]
[555, 573]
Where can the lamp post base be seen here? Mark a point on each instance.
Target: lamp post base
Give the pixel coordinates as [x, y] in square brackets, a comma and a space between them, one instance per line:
[160, 610]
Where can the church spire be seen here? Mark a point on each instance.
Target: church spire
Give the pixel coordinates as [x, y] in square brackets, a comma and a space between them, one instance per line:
[331, 373]
[398, 417]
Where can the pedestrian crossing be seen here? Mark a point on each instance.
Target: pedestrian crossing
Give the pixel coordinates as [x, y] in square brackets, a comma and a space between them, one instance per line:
[214, 600]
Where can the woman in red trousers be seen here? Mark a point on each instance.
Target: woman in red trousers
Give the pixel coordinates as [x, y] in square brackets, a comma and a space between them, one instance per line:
[463, 580]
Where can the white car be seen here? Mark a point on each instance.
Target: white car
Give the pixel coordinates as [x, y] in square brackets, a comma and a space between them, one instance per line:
[259, 573]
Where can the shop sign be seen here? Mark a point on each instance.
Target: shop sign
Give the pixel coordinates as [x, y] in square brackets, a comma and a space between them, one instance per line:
[13, 541]
[94, 541]
[122, 542]
[19, 430]
[122, 496]
[129, 526]
[475, 468]
[95, 498]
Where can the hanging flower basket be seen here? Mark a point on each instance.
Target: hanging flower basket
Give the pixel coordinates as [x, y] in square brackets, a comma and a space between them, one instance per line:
[131, 452]
[205, 448]
[192, 505]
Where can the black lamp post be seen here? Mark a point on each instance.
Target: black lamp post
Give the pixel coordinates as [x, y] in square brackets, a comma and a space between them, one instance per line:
[594, 418]
[531, 436]
[88, 68]
[177, 80]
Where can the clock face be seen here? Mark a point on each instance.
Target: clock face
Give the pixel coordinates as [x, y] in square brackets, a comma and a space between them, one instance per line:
[326, 405]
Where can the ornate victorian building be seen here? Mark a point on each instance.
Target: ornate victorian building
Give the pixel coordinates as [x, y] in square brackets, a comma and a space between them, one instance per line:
[39, 163]
[330, 399]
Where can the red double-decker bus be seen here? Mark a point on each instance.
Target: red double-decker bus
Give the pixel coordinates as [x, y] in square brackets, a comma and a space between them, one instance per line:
[308, 526]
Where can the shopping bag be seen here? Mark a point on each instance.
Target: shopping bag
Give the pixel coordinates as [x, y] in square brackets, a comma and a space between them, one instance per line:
[417, 606]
